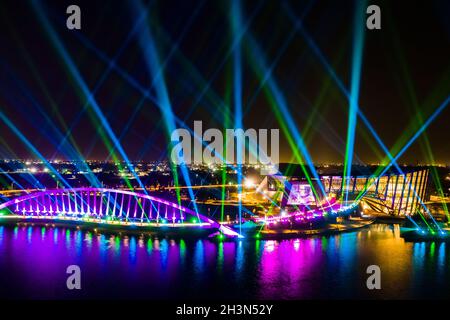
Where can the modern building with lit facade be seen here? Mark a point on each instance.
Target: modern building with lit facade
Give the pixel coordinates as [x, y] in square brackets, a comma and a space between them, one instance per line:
[394, 193]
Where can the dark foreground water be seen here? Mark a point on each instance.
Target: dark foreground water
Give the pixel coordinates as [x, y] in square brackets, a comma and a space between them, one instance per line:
[33, 262]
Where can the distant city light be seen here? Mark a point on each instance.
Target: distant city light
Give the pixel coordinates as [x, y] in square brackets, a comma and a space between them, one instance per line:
[249, 183]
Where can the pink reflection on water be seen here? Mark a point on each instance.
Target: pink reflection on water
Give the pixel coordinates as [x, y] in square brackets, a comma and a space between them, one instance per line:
[289, 265]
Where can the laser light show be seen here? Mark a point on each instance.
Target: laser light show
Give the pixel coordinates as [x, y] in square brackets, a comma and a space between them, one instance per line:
[226, 158]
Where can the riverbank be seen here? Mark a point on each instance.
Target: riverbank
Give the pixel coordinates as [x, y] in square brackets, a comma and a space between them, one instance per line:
[329, 229]
[426, 235]
[190, 232]
[113, 229]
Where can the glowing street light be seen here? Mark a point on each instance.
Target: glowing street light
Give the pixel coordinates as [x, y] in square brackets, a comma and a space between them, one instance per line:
[249, 183]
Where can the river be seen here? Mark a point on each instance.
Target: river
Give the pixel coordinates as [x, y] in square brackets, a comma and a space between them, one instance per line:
[33, 262]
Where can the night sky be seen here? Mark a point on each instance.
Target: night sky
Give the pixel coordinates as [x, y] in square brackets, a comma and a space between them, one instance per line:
[405, 75]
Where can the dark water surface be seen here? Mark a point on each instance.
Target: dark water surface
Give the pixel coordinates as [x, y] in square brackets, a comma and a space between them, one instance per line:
[33, 262]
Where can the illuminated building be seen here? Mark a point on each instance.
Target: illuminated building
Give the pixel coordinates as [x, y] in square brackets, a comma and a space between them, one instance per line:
[394, 193]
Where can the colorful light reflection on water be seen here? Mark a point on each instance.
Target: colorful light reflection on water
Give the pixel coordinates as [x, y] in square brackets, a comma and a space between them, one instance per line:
[34, 260]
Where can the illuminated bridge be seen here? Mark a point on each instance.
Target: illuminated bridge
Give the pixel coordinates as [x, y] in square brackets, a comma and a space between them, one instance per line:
[109, 207]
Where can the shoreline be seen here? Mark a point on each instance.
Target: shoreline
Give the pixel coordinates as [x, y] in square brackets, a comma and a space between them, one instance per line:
[111, 229]
[189, 232]
[330, 229]
[408, 234]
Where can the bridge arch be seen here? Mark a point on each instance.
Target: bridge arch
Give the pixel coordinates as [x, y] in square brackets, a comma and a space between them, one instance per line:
[105, 205]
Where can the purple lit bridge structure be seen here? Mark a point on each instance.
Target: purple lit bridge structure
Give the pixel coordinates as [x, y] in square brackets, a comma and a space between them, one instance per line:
[109, 207]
